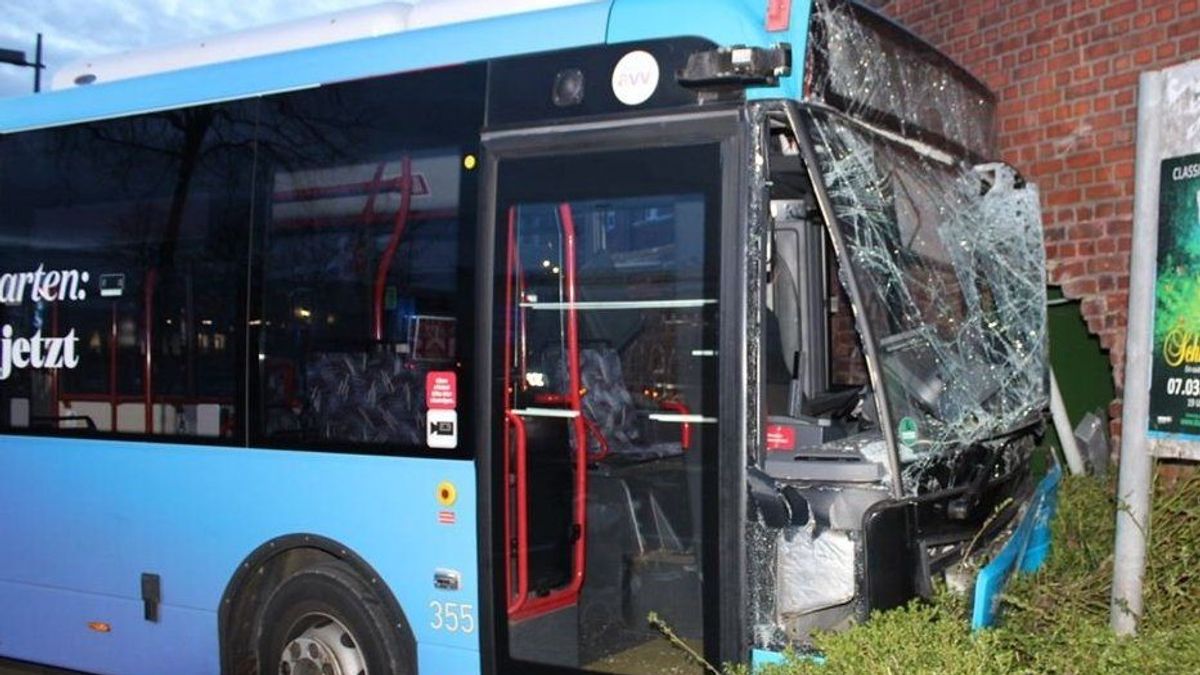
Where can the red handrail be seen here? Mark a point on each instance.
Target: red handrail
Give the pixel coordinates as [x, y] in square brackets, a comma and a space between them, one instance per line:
[112, 368]
[385, 262]
[54, 383]
[594, 429]
[148, 363]
[509, 395]
[516, 602]
[685, 429]
[173, 399]
[569, 594]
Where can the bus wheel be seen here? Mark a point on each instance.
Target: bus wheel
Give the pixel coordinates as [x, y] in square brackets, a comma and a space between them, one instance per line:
[324, 620]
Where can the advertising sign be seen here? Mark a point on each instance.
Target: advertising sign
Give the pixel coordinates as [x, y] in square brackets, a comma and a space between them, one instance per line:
[1175, 376]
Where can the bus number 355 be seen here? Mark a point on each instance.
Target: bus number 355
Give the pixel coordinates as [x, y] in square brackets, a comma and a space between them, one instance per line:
[452, 617]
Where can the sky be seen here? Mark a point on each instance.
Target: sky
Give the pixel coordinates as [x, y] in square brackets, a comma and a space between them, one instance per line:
[77, 28]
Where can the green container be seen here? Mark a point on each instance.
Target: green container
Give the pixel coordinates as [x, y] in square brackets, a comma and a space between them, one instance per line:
[1082, 367]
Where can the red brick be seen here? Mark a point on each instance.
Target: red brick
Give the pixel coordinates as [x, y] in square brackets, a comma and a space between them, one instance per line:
[1106, 120]
[1063, 197]
[1100, 50]
[1092, 307]
[1063, 61]
[1101, 32]
[1102, 191]
[1108, 263]
[1119, 154]
[1116, 9]
[1089, 87]
[1047, 167]
[1071, 269]
[1077, 288]
[1118, 228]
[1084, 159]
[1184, 27]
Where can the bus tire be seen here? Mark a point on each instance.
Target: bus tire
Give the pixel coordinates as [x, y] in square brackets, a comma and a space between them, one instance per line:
[324, 618]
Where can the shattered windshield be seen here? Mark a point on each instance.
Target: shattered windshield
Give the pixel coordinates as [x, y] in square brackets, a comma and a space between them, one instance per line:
[948, 255]
[950, 262]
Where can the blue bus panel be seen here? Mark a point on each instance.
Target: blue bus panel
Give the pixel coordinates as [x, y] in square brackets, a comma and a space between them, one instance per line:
[97, 514]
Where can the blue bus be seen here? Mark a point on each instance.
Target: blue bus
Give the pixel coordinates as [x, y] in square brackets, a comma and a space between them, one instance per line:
[474, 345]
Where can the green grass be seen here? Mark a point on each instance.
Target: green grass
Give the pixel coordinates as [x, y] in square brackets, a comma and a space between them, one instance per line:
[1054, 621]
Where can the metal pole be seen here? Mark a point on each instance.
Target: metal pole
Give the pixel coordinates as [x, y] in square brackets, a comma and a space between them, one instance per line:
[37, 65]
[1062, 425]
[1136, 466]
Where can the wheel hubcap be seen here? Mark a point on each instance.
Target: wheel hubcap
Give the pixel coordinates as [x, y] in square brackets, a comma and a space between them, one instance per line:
[321, 646]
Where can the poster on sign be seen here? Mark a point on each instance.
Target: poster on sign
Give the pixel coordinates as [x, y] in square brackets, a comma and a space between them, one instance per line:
[1175, 379]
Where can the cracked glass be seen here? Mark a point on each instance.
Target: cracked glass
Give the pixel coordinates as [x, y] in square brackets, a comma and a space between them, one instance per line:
[947, 252]
[950, 261]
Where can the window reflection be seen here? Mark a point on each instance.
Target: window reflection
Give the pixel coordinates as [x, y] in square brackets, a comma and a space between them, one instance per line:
[365, 266]
[153, 211]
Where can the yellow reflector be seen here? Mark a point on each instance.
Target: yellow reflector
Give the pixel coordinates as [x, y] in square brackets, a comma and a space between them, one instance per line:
[469, 162]
[447, 494]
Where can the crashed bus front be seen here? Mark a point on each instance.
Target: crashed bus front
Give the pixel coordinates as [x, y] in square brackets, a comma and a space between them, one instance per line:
[864, 494]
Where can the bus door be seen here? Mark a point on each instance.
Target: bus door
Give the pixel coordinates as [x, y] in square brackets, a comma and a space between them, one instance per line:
[606, 363]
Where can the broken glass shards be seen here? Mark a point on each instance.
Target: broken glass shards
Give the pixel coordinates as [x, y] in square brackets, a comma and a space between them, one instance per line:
[863, 64]
[950, 263]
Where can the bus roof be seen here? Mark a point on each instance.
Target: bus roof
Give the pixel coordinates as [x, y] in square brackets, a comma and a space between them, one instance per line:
[432, 44]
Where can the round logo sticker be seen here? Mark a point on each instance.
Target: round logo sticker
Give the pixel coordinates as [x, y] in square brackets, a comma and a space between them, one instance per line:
[635, 78]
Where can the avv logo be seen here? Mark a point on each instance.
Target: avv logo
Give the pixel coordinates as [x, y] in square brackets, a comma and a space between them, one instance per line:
[635, 78]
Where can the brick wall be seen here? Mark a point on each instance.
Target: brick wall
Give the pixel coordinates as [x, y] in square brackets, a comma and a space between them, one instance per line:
[847, 366]
[1065, 73]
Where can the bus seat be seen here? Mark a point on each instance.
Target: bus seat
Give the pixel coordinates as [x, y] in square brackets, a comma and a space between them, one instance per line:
[611, 408]
[367, 397]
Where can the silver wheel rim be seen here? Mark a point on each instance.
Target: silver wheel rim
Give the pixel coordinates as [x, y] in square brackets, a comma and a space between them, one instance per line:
[322, 646]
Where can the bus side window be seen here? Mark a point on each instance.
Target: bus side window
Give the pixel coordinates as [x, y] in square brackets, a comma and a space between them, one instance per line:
[136, 228]
[364, 287]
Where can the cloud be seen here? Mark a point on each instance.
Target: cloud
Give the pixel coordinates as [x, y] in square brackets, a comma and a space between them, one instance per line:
[75, 29]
